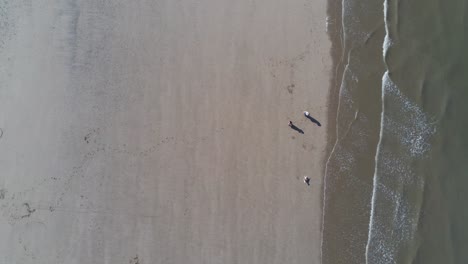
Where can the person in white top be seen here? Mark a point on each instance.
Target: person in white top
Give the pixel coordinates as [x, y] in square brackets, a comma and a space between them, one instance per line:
[306, 113]
[306, 180]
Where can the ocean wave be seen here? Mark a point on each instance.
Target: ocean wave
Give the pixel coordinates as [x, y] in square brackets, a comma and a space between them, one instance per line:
[415, 129]
[397, 193]
[396, 186]
[404, 138]
[346, 163]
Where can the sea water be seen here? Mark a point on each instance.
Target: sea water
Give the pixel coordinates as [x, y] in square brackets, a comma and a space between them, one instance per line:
[396, 182]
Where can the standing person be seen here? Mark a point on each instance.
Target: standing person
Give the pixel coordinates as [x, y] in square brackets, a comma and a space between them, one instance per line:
[306, 113]
[307, 180]
[290, 124]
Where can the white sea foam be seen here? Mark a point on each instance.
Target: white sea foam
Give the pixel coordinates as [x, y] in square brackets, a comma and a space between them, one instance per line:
[404, 126]
[407, 130]
[404, 138]
[387, 40]
[415, 128]
[411, 128]
[374, 190]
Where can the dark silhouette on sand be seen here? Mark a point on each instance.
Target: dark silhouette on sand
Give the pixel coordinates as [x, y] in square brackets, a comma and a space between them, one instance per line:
[291, 125]
[307, 180]
[314, 120]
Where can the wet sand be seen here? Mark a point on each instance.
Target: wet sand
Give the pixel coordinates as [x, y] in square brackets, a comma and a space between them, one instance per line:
[351, 164]
[157, 132]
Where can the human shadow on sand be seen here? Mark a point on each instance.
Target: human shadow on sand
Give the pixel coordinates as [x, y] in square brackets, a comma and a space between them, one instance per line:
[297, 129]
[314, 120]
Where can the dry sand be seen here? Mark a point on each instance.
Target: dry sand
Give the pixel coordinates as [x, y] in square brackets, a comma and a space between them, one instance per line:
[156, 131]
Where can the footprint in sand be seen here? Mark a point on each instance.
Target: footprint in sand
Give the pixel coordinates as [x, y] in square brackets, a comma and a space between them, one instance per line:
[290, 88]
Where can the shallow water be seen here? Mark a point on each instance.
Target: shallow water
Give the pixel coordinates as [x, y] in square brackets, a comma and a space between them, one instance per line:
[394, 189]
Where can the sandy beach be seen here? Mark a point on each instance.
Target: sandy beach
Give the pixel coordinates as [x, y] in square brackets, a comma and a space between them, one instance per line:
[157, 131]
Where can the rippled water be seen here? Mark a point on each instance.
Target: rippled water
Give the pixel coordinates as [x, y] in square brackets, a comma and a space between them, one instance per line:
[394, 187]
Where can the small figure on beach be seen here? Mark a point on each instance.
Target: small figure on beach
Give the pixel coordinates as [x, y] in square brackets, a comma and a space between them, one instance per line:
[291, 125]
[307, 114]
[307, 180]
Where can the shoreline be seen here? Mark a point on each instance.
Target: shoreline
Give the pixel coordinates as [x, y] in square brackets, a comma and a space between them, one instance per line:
[350, 169]
[336, 55]
[335, 34]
